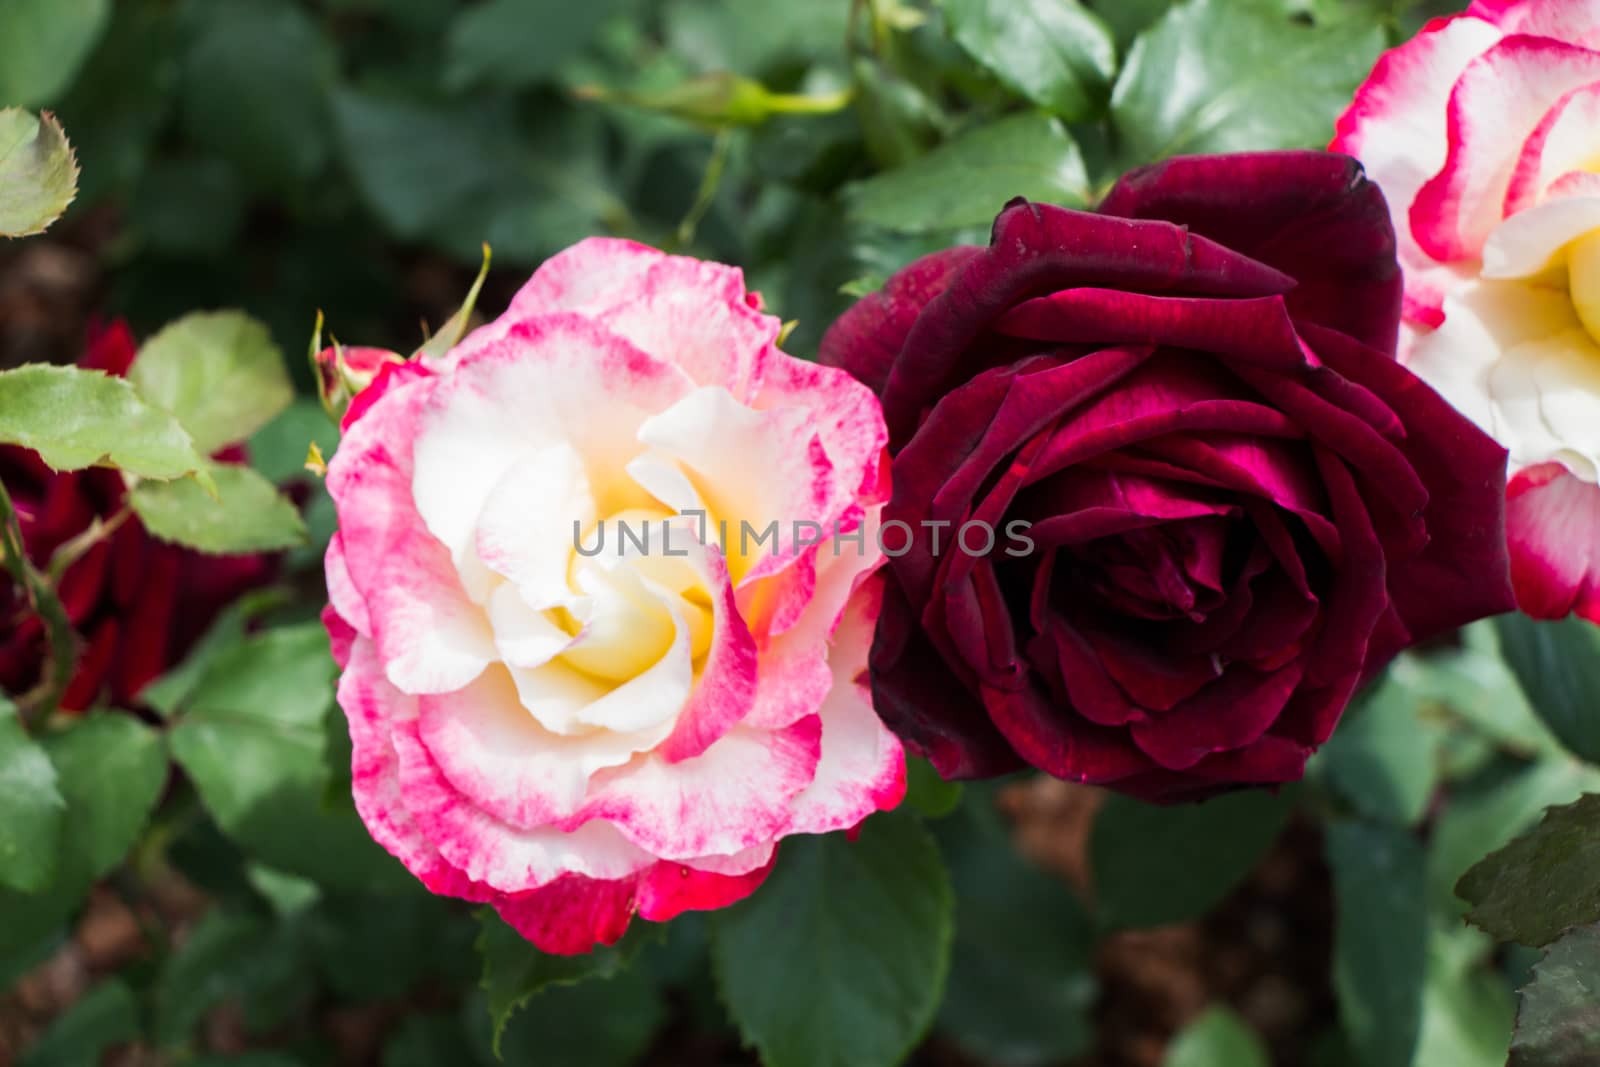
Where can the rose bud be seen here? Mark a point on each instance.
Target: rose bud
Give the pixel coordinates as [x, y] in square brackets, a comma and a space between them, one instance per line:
[1483, 132]
[137, 604]
[1235, 504]
[569, 731]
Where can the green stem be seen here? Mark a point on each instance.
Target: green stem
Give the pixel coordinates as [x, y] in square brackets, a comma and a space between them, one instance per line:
[41, 596]
[708, 187]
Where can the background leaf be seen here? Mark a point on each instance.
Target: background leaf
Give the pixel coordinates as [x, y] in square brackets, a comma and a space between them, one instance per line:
[1218, 1038]
[42, 44]
[1558, 1024]
[1231, 76]
[218, 372]
[31, 808]
[1558, 666]
[1153, 865]
[863, 927]
[247, 514]
[1054, 52]
[38, 172]
[1543, 882]
[968, 180]
[77, 418]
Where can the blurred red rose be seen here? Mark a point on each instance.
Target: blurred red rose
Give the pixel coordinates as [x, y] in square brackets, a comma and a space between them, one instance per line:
[137, 604]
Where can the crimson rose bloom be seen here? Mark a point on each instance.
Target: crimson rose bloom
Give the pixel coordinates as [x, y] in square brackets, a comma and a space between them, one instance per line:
[137, 604]
[1241, 505]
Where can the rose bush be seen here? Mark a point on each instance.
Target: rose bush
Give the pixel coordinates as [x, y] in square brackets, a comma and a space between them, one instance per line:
[579, 738]
[1484, 131]
[137, 604]
[1241, 504]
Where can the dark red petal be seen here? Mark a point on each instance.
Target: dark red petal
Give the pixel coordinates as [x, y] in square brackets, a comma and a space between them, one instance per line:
[1463, 573]
[1312, 215]
[1230, 713]
[866, 339]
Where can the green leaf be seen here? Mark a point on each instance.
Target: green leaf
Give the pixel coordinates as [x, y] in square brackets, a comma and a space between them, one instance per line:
[111, 768]
[1053, 52]
[1156, 865]
[1230, 76]
[514, 971]
[228, 955]
[1479, 821]
[1380, 939]
[252, 736]
[1558, 666]
[1473, 683]
[38, 172]
[1218, 1038]
[31, 807]
[371, 953]
[967, 181]
[79, 418]
[1384, 758]
[927, 792]
[42, 45]
[608, 1022]
[218, 372]
[278, 449]
[255, 79]
[170, 690]
[1558, 1019]
[512, 43]
[107, 1015]
[1022, 971]
[1544, 882]
[1467, 1007]
[840, 958]
[248, 514]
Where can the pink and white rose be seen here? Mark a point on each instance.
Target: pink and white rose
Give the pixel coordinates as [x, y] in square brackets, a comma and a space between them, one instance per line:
[577, 739]
[1484, 133]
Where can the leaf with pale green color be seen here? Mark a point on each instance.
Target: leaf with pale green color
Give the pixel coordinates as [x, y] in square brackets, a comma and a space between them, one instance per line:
[1544, 882]
[255, 81]
[1478, 821]
[79, 418]
[1054, 52]
[839, 960]
[170, 690]
[42, 45]
[38, 172]
[252, 734]
[1218, 1038]
[512, 43]
[967, 181]
[514, 970]
[31, 808]
[1558, 666]
[218, 372]
[1380, 939]
[247, 514]
[1156, 865]
[1558, 1019]
[1473, 683]
[1022, 971]
[1467, 1007]
[107, 1015]
[1232, 76]
[1384, 758]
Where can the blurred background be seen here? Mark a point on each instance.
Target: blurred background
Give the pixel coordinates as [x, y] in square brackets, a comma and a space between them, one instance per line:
[353, 157]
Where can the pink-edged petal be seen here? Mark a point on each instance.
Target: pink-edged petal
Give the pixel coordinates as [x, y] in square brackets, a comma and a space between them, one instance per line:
[504, 762]
[343, 596]
[669, 889]
[1553, 528]
[575, 385]
[341, 635]
[1496, 105]
[863, 767]
[592, 276]
[389, 376]
[753, 467]
[429, 634]
[695, 314]
[734, 795]
[848, 419]
[371, 706]
[1577, 21]
[1398, 127]
[492, 851]
[572, 914]
[1563, 142]
[726, 683]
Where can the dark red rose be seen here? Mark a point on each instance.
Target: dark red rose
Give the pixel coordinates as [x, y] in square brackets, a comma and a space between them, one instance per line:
[137, 604]
[1241, 505]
